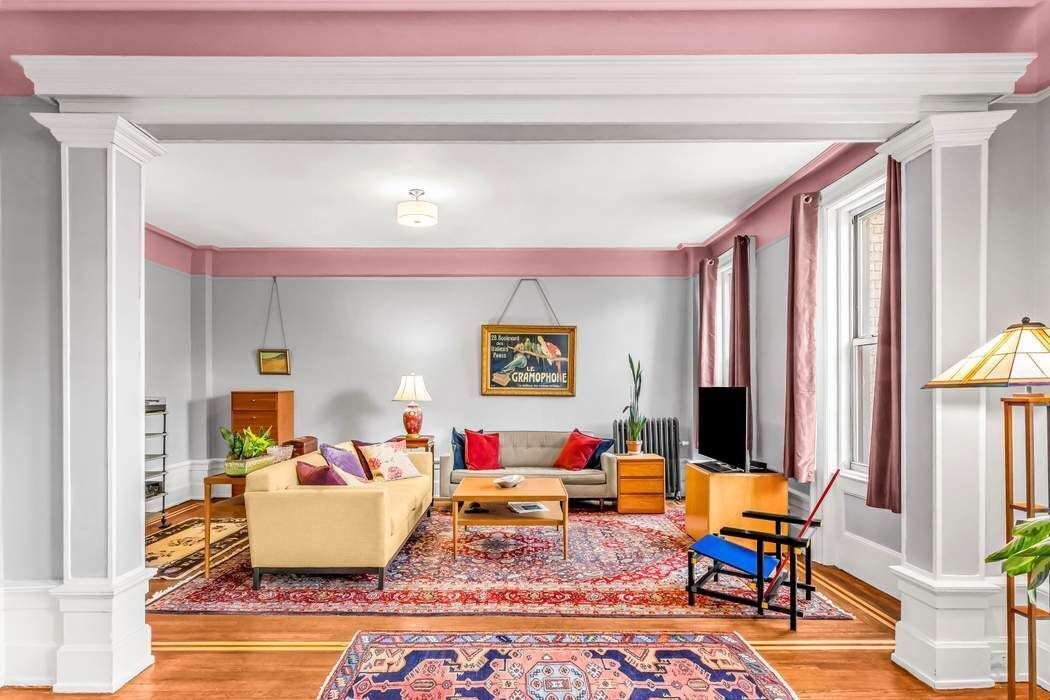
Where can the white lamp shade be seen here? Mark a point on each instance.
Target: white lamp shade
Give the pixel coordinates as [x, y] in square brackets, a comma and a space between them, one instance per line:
[417, 213]
[412, 388]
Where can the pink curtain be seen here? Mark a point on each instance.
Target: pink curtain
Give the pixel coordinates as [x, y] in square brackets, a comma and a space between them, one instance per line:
[740, 327]
[800, 390]
[705, 361]
[884, 457]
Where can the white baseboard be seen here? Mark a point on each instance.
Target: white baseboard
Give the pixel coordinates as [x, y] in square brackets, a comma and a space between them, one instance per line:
[32, 631]
[869, 561]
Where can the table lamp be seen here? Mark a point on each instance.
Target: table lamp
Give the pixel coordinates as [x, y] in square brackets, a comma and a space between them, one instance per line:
[1019, 356]
[412, 389]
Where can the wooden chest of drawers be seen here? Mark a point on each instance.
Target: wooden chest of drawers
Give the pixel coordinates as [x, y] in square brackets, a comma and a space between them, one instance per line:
[260, 410]
[640, 483]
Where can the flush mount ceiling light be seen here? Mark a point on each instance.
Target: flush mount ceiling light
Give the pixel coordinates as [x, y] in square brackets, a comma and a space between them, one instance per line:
[415, 212]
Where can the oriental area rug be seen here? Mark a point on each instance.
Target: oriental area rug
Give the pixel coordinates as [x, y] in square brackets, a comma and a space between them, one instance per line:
[178, 551]
[431, 666]
[619, 565]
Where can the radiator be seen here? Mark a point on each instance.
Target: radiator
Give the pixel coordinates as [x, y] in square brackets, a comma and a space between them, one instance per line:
[659, 436]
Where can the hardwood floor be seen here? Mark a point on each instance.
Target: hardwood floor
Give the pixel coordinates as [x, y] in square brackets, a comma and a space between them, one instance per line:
[231, 656]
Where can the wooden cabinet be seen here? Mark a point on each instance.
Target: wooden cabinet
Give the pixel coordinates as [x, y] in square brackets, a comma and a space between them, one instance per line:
[639, 483]
[419, 443]
[715, 500]
[260, 410]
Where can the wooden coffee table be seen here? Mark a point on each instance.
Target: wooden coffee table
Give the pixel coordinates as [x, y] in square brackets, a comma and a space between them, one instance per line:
[547, 490]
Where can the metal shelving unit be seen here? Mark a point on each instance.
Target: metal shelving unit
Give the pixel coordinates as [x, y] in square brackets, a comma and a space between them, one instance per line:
[156, 463]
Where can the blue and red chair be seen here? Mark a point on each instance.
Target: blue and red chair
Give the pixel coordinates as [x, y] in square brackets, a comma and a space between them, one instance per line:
[767, 573]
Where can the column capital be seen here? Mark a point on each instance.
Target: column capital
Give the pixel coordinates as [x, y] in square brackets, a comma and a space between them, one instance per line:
[101, 131]
[950, 129]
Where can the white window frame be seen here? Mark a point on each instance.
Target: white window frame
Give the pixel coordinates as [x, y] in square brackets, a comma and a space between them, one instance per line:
[723, 316]
[866, 203]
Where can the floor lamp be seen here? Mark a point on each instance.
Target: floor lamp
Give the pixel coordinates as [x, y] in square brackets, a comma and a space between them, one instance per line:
[1019, 356]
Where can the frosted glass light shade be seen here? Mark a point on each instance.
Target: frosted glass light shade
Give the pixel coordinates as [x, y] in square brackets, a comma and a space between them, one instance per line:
[417, 213]
[412, 388]
[1019, 356]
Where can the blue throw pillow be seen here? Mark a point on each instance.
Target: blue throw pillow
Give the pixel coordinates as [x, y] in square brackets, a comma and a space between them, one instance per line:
[595, 462]
[459, 449]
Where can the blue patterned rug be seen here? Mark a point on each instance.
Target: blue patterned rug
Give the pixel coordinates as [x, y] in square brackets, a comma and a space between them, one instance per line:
[604, 666]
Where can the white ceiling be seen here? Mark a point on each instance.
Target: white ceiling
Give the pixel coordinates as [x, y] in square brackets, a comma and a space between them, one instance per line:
[652, 195]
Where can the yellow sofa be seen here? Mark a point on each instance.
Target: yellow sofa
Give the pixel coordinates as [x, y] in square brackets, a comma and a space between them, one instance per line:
[331, 529]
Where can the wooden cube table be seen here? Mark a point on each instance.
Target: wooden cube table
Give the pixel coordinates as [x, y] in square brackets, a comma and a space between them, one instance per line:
[547, 490]
[640, 483]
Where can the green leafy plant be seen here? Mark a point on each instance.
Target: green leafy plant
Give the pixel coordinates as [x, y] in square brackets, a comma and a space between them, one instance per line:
[635, 420]
[1027, 552]
[246, 444]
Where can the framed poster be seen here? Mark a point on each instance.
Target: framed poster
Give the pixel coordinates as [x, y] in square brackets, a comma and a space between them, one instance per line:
[275, 361]
[528, 360]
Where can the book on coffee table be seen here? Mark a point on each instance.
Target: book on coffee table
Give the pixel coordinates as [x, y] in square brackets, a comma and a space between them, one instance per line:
[526, 507]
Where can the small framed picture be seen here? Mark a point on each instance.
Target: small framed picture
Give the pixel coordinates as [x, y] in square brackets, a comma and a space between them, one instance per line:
[275, 361]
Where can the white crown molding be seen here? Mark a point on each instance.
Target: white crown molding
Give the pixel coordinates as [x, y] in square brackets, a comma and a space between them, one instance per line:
[957, 129]
[798, 75]
[1030, 99]
[101, 131]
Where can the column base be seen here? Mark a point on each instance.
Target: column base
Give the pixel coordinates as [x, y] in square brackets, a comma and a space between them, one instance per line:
[941, 638]
[105, 639]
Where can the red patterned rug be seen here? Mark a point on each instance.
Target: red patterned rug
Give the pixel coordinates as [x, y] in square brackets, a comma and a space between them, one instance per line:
[619, 565]
[491, 666]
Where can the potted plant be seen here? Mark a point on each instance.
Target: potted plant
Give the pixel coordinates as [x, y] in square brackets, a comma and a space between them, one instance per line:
[635, 420]
[247, 451]
[1028, 552]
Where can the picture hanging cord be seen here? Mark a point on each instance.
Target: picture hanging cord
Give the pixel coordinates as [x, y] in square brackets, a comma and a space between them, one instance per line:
[274, 292]
[543, 294]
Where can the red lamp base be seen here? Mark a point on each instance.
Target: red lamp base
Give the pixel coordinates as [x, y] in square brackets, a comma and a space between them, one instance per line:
[413, 419]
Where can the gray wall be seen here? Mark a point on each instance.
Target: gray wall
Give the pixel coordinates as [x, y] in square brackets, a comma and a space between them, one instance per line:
[31, 381]
[351, 339]
[168, 354]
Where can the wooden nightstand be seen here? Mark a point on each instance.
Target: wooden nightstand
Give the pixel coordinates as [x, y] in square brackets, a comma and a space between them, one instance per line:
[639, 483]
[419, 442]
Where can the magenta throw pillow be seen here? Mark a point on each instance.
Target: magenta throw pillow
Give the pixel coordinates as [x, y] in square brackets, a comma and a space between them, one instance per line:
[309, 475]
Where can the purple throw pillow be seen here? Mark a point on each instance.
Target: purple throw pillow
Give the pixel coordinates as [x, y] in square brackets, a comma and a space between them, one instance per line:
[309, 475]
[345, 460]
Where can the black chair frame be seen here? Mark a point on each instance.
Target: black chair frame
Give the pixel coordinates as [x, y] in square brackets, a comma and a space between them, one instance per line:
[764, 591]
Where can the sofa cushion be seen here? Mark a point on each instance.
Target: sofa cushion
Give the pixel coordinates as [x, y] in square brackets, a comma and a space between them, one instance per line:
[482, 451]
[576, 451]
[530, 448]
[459, 448]
[583, 476]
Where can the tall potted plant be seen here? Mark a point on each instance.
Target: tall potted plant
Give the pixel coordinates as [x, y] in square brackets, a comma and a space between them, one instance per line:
[635, 420]
[247, 451]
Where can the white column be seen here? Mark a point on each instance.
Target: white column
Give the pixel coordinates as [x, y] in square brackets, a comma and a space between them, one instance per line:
[105, 639]
[942, 637]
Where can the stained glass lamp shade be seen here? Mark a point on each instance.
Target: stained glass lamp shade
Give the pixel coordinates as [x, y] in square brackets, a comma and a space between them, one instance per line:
[1019, 356]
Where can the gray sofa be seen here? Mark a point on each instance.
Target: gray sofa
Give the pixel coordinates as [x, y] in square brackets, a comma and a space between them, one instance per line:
[532, 453]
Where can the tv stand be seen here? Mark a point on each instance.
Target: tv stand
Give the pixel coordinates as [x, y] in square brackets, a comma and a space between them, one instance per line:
[716, 499]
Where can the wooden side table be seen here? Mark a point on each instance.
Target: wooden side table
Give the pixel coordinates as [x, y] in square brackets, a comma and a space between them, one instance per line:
[231, 506]
[424, 442]
[639, 483]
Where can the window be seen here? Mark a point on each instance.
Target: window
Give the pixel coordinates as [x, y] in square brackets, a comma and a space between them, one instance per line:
[866, 239]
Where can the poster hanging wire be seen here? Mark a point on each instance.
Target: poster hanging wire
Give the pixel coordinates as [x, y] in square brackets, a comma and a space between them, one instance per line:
[543, 294]
[275, 293]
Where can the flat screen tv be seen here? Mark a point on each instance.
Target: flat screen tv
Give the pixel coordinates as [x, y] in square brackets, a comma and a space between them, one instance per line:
[722, 424]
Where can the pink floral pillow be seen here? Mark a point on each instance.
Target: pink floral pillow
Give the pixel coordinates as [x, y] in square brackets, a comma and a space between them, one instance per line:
[390, 460]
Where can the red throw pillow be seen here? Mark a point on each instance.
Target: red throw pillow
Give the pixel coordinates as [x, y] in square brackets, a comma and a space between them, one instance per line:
[576, 451]
[482, 451]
